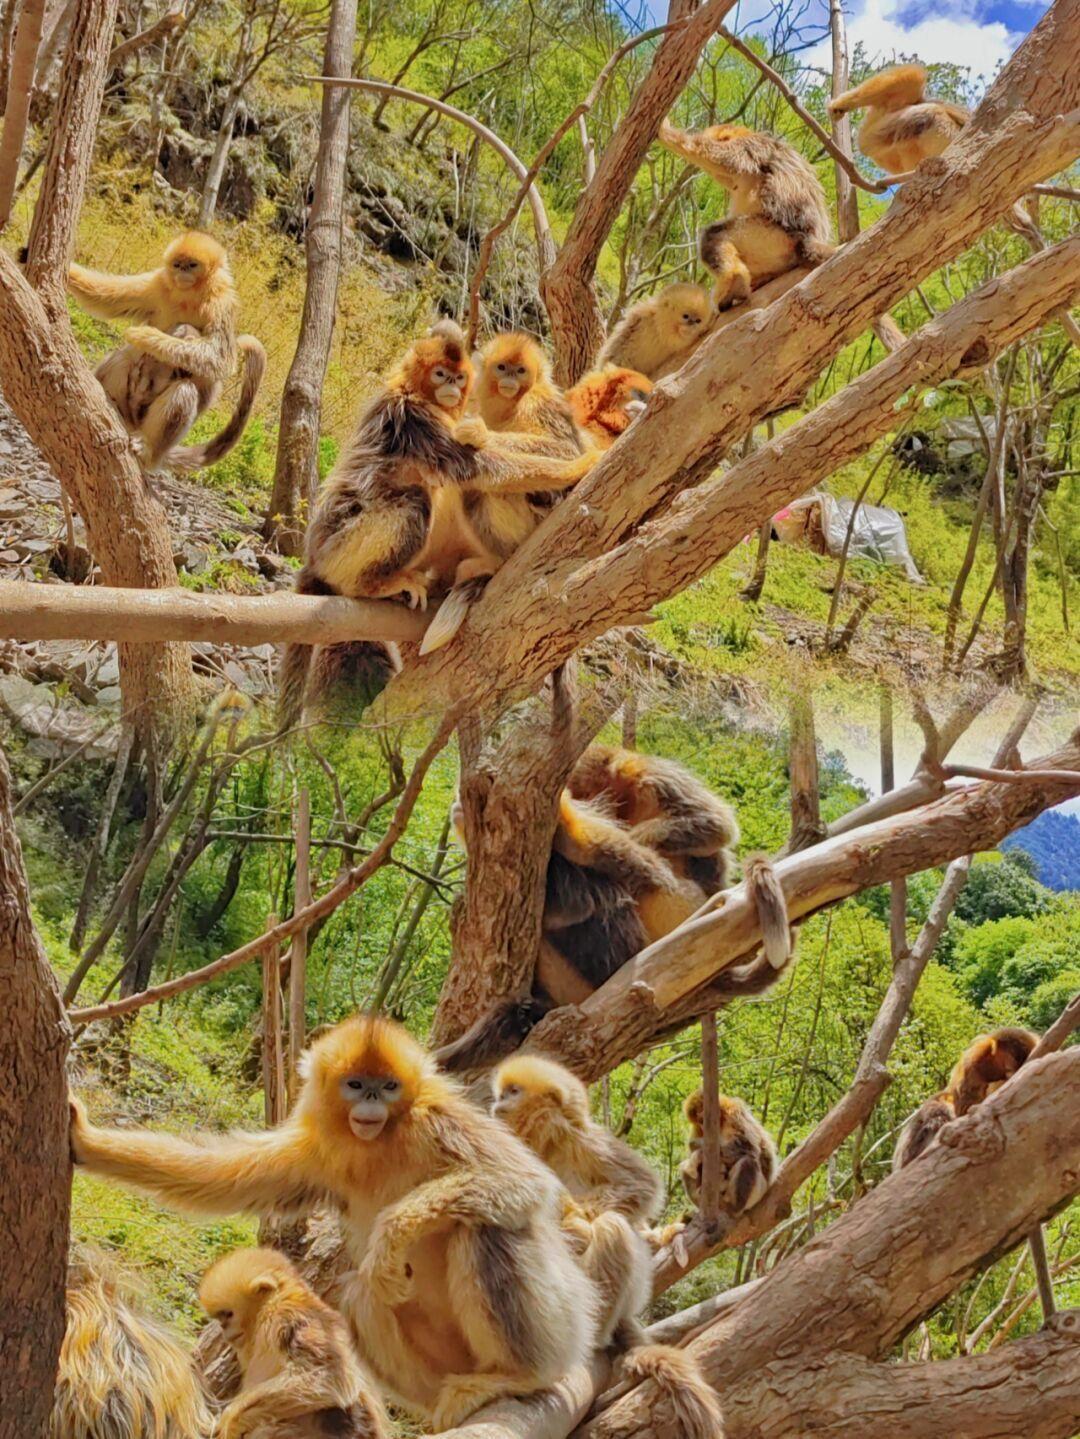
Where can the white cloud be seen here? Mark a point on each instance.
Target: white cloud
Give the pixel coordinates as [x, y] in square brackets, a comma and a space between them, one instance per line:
[953, 35]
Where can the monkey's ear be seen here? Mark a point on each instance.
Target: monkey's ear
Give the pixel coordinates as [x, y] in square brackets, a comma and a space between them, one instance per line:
[264, 1284]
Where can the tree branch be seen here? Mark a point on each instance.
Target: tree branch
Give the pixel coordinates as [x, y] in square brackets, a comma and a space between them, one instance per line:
[46, 612]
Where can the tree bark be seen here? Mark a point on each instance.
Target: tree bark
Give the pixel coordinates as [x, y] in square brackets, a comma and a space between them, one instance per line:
[806, 826]
[34, 1155]
[17, 104]
[577, 325]
[296, 475]
[853, 1292]
[52, 391]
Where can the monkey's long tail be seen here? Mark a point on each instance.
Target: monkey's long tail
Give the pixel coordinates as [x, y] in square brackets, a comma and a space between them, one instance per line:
[189, 458]
[495, 1034]
[771, 908]
[450, 615]
[341, 679]
[121, 1374]
[694, 1402]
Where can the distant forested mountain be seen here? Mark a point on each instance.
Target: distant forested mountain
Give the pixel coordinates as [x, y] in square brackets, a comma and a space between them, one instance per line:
[1053, 841]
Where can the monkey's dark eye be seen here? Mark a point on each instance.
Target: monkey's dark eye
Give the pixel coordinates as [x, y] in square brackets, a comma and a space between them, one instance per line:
[501, 368]
[511, 1090]
[223, 1315]
[391, 1086]
[355, 1083]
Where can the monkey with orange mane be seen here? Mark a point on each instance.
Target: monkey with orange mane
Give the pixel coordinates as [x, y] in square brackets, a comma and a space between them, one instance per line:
[176, 358]
[465, 1288]
[516, 400]
[606, 402]
[396, 515]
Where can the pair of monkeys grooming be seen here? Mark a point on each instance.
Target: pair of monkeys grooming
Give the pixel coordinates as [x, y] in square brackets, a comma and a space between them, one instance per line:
[639, 846]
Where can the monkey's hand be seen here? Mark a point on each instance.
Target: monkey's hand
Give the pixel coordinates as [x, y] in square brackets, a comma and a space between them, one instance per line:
[385, 1271]
[472, 432]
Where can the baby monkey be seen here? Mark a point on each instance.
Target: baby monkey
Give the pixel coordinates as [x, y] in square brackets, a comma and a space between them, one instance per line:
[301, 1378]
[777, 216]
[659, 333]
[612, 1193]
[607, 401]
[747, 1154]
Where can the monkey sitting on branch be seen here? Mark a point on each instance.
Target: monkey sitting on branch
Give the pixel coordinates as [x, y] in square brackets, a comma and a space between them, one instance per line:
[396, 517]
[987, 1063]
[660, 332]
[747, 1154]
[179, 354]
[606, 898]
[612, 1193]
[901, 127]
[465, 1288]
[606, 402]
[300, 1376]
[777, 217]
[121, 1375]
[515, 399]
[608, 895]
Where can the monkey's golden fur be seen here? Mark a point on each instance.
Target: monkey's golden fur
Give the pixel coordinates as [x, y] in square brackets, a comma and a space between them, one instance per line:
[121, 1374]
[604, 402]
[300, 1376]
[989, 1061]
[922, 1128]
[547, 1107]
[612, 1193]
[465, 1288]
[777, 215]
[901, 127]
[660, 332]
[397, 515]
[515, 399]
[177, 357]
[668, 809]
[747, 1154]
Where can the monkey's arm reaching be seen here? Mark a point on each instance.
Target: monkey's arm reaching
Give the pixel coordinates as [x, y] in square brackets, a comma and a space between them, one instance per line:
[210, 357]
[508, 470]
[115, 297]
[629, 1184]
[725, 160]
[260, 1173]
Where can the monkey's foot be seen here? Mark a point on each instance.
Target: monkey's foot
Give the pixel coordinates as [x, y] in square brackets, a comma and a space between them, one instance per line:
[413, 586]
[463, 1394]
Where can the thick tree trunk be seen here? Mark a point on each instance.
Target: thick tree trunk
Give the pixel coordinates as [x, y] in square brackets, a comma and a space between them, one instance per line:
[296, 476]
[577, 326]
[17, 105]
[853, 1292]
[34, 1158]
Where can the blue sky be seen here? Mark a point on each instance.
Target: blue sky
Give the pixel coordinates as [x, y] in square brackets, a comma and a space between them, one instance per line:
[978, 34]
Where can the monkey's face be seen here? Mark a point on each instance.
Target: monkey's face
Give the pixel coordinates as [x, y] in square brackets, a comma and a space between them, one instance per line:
[186, 271]
[512, 377]
[448, 386]
[361, 1078]
[687, 309]
[371, 1100]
